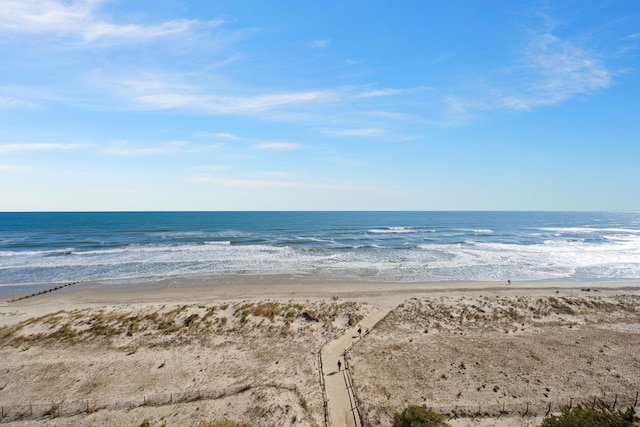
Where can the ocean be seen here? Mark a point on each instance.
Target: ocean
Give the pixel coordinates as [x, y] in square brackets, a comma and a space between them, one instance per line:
[40, 249]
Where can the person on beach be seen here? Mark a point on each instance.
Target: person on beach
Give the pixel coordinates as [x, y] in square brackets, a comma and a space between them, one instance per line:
[339, 365]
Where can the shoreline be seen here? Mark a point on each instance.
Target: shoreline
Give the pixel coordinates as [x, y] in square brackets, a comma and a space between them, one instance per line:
[281, 279]
[284, 288]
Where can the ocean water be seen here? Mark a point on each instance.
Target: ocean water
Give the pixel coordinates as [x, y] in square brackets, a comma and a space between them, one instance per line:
[128, 247]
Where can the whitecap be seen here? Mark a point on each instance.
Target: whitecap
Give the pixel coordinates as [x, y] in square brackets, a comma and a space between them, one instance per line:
[392, 230]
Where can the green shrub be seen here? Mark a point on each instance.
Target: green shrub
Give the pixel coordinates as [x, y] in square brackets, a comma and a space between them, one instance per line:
[54, 410]
[418, 416]
[600, 416]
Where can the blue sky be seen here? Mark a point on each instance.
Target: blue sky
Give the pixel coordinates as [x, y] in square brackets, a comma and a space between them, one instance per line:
[332, 105]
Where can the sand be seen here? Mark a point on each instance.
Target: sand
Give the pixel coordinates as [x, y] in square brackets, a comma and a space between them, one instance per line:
[264, 352]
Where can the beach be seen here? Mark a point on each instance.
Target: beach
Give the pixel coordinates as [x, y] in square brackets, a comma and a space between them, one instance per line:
[264, 352]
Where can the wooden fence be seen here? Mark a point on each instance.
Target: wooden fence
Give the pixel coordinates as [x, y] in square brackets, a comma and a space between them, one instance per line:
[9, 413]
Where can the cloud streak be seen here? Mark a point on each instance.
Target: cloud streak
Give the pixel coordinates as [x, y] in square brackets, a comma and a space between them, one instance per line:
[123, 148]
[320, 43]
[279, 146]
[267, 183]
[45, 146]
[552, 70]
[10, 102]
[563, 70]
[78, 18]
[14, 168]
[381, 92]
[222, 105]
[354, 132]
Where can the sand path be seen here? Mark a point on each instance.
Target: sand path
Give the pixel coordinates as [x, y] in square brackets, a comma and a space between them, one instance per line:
[341, 402]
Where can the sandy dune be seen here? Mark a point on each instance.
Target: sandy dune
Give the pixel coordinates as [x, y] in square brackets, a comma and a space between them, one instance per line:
[173, 354]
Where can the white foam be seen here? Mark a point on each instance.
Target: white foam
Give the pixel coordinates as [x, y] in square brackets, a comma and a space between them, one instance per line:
[575, 230]
[392, 230]
[360, 254]
[478, 231]
[63, 251]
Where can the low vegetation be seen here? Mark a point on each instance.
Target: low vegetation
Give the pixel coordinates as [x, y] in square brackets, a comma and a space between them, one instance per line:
[418, 416]
[601, 416]
[513, 315]
[184, 324]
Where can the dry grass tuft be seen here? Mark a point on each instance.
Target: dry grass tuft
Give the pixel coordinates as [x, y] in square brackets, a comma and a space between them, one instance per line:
[163, 326]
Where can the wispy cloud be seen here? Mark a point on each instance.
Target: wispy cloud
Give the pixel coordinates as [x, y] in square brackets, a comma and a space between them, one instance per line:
[210, 168]
[44, 146]
[124, 148]
[10, 102]
[565, 69]
[320, 43]
[388, 114]
[14, 168]
[391, 92]
[279, 146]
[272, 183]
[277, 174]
[78, 18]
[353, 132]
[149, 82]
[257, 143]
[550, 71]
[223, 135]
[222, 105]
[380, 92]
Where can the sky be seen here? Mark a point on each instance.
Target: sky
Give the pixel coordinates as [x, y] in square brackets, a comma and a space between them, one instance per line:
[334, 105]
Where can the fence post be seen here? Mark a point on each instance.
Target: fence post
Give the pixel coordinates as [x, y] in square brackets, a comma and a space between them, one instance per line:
[501, 412]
